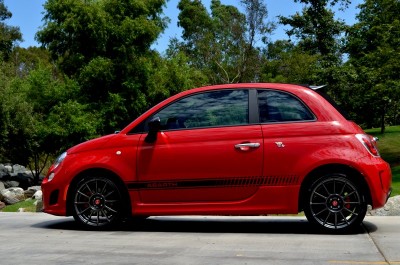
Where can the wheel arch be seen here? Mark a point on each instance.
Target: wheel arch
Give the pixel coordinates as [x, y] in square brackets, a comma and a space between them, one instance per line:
[316, 173]
[104, 173]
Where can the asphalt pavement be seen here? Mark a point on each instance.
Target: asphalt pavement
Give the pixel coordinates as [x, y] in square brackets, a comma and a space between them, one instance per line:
[38, 238]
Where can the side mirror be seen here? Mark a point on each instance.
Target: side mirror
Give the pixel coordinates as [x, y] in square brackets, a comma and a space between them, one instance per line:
[154, 128]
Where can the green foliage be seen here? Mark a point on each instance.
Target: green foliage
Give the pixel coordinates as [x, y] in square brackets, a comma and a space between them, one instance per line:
[223, 44]
[27, 205]
[287, 63]
[395, 180]
[9, 35]
[389, 147]
[373, 45]
[105, 46]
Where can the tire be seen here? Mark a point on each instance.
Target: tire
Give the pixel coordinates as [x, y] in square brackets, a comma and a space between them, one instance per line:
[97, 203]
[335, 204]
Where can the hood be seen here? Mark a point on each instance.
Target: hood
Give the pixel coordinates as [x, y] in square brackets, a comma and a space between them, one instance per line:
[97, 143]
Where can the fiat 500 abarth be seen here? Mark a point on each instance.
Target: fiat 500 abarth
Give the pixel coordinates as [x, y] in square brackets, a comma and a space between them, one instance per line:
[237, 149]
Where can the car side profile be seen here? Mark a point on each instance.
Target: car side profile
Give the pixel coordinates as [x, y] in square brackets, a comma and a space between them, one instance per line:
[234, 149]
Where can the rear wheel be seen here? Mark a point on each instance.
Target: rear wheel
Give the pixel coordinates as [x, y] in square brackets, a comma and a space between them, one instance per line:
[335, 204]
[97, 203]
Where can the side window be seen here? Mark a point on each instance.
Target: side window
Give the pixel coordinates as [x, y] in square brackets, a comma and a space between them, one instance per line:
[209, 109]
[277, 106]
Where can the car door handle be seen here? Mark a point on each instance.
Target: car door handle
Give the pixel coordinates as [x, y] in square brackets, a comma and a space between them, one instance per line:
[247, 146]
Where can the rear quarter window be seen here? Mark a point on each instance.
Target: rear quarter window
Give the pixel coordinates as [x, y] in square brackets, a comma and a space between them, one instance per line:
[279, 106]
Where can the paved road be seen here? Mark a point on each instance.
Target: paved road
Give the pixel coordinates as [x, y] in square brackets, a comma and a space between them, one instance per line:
[37, 238]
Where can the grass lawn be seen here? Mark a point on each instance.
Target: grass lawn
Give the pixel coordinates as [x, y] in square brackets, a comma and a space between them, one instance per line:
[28, 205]
[389, 147]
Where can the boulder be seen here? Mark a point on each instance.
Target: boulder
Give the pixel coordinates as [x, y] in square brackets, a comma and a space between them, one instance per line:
[38, 195]
[11, 184]
[2, 186]
[39, 206]
[8, 168]
[12, 195]
[18, 168]
[31, 192]
[391, 208]
[3, 172]
[2, 205]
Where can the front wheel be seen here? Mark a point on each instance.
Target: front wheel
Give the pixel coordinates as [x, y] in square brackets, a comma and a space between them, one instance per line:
[335, 204]
[97, 203]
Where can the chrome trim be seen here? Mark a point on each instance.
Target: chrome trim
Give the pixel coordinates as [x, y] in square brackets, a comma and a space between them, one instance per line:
[251, 145]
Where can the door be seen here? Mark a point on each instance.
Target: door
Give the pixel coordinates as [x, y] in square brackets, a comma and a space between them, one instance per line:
[206, 151]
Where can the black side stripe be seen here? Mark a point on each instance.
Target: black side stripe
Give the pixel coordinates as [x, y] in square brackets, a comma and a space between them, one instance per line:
[216, 183]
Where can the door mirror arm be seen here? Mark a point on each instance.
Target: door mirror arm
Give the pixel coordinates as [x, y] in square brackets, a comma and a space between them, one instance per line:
[154, 128]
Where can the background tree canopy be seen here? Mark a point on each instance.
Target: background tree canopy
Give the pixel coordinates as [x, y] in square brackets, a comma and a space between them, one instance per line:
[96, 71]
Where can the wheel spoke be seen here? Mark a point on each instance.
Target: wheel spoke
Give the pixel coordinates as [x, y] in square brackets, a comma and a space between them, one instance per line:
[318, 203]
[344, 186]
[351, 212]
[349, 194]
[83, 194]
[323, 210]
[327, 191]
[104, 188]
[106, 216]
[90, 190]
[110, 209]
[326, 219]
[336, 220]
[98, 218]
[111, 192]
[334, 185]
[352, 203]
[344, 218]
[84, 210]
[320, 195]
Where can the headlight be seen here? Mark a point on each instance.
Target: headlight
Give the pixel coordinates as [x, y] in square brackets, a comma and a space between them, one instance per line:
[56, 164]
[59, 160]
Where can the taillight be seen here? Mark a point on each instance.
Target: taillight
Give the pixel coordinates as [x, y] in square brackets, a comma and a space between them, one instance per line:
[369, 143]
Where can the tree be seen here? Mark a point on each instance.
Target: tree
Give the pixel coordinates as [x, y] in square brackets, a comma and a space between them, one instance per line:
[373, 45]
[105, 46]
[223, 44]
[257, 29]
[286, 62]
[9, 35]
[319, 33]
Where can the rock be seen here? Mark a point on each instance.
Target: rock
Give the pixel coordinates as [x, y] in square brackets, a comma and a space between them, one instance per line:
[2, 205]
[25, 179]
[38, 195]
[3, 172]
[13, 195]
[18, 168]
[35, 188]
[2, 186]
[39, 206]
[8, 168]
[391, 208]
[29, 193]
[11, 184]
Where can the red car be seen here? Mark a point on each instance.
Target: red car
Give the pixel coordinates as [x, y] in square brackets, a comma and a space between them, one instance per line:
[236, 149]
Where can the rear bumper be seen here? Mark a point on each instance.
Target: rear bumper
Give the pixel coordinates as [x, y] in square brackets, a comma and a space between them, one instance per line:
[379, 178]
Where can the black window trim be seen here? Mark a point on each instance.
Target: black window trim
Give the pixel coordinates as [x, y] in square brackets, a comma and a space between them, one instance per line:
[144, 124]
[283, 122]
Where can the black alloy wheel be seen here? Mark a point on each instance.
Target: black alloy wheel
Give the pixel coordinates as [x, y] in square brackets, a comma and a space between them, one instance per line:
[336, 204]
[97, 203]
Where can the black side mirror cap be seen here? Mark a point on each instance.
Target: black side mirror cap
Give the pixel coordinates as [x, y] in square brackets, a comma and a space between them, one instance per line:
[154, 128]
